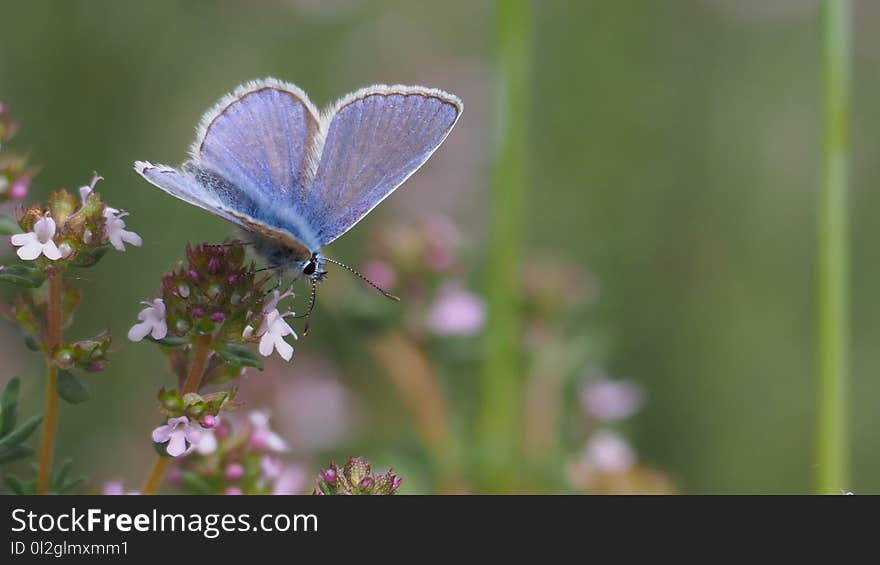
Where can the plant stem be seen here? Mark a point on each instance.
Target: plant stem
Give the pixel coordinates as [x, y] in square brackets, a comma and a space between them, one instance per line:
[197, 369]
[415, 379]
[833, 285]
[502, 383]
[50, 417]
[202, 347]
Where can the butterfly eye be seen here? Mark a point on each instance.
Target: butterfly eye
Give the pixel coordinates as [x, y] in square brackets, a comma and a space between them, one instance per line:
[310, 267]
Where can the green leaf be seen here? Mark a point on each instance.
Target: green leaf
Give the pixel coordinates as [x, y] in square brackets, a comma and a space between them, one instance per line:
[195, 483]
[240, 355]
[89, 257]
[9, 406]
[69, 485]
[170, 341]
[71, 388]
[15, 453]
[63, 471]
[32, 343]
[22, 432]
[22, 275]
[9, 226]
[14, 484]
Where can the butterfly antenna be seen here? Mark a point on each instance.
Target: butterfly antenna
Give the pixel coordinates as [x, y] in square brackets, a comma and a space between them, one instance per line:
[381, 290]
[313, 297]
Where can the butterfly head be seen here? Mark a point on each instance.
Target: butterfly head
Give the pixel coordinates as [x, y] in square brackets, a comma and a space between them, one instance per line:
[313, 268]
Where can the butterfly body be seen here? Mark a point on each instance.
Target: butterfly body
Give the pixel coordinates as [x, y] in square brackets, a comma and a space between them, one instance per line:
[294, 179]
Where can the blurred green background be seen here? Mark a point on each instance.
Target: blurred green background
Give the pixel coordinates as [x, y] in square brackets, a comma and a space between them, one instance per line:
[672, 151]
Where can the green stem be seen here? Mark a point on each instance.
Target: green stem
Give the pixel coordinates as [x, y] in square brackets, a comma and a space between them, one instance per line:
[833, 285]
[503, 379]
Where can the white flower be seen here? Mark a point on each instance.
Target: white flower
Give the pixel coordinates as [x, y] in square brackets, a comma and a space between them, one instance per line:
[608, 451]
[207, 444]
[86, 191]
[177, 433]
[32, 244]
[273, 329]
[152, 322]
[262, 436]
[114, 229]
[114, 225]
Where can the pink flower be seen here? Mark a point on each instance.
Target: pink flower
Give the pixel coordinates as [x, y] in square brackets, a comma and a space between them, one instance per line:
[19, 188]
[610, 452]
[152, 322]
[456, 312]
[177, 433]
[292, 481]
[270, 467]
[234, 471]
[262, 437]
[380, 273]
[233, 491]
[442, 238]
[611, 400]
[32, 244]
[115, 488]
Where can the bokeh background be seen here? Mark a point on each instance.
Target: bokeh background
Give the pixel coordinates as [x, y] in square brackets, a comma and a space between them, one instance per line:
[672, 162]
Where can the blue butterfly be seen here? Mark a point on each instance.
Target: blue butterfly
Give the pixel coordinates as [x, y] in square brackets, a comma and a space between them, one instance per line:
[295, 179]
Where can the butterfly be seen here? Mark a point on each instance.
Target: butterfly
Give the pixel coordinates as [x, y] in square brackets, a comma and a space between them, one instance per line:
[295, 179]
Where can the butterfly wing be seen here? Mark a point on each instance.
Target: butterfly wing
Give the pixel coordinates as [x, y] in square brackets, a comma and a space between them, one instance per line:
[209, 192]
[186, 188]
[374, 140]
[252, 158]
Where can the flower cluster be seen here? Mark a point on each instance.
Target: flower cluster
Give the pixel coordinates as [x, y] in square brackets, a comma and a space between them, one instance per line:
[233, 456]
[424, 259]
[69, 231]
[217, 293]
[608, 463]
[356, 477]
[15, 174]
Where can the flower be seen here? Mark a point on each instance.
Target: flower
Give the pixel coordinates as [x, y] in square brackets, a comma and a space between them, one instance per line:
[234, 471]
[456, 312]
[152, 321]
[39, 241]
[380, 272]
[273, 330]
[114, 226]
[19, 188]
[270, 467]
[291, 481]
[114, 229]
[356, 477]
[177, 433]
[115, 488]
[207, 444]
[262, 437]
[610, 452]
[611, 400]
[86, 191]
